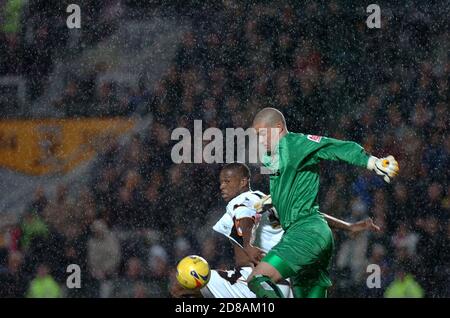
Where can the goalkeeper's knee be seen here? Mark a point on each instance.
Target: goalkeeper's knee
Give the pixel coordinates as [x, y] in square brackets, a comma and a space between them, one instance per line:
[263, 287]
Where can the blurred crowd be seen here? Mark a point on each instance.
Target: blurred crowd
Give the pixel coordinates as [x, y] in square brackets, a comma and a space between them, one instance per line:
[33, 34]
[318, 63]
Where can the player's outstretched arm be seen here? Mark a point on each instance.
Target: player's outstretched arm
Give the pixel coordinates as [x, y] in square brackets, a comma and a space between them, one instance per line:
[352, 153]
[335, 223]
[364, 225]
[353, 228]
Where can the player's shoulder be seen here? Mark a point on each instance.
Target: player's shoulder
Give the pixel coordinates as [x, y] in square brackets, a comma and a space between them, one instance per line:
[303, 138]
[248, 199]
[294, 138]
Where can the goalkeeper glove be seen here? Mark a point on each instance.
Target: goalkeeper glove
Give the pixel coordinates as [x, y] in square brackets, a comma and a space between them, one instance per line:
[263, 205]
[386, 167]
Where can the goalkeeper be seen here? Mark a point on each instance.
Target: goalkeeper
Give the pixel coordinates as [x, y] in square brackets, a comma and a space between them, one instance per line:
[305, 249]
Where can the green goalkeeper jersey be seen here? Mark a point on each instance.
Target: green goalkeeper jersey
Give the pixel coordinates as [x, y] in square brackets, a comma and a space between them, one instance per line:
[294, 184]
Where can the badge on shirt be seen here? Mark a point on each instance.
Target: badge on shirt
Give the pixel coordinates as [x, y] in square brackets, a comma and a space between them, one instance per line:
[314, 138]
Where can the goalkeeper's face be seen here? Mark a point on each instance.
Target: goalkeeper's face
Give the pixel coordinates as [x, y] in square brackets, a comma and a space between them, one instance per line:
[231, 184]
[268, 136]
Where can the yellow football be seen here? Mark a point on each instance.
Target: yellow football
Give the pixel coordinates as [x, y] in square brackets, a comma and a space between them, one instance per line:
[193, 272]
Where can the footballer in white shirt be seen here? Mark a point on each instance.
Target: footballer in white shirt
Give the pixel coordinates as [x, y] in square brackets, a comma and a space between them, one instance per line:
[252, 234]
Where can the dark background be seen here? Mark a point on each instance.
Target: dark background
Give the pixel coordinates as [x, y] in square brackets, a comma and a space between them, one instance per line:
[316, 61]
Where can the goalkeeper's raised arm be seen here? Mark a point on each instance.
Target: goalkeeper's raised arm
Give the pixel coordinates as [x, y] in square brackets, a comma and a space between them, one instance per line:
[300, 149]
[352, 153]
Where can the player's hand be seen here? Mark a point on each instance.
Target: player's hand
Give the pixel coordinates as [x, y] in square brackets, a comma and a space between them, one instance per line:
[364, 225]
[254, 254]
[263, 205]
[386, 167]
[178, 291]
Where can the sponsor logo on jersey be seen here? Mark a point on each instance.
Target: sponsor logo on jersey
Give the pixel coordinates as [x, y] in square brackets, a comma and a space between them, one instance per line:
[314, 138]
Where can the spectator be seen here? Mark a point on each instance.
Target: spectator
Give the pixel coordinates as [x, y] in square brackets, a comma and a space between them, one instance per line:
[71, 103]
[404, 286]
[43, 285]
[132, 283]
[103, 252]
[158, 273]
[405, 239]
[32, 226]
[14, 280]
[39, 202]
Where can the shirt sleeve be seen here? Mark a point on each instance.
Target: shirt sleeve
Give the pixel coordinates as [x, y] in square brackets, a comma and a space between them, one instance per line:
[324, 148]
[244, 212]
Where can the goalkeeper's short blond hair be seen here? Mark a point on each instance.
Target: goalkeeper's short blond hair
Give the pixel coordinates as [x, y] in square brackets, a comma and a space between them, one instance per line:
[270, 116]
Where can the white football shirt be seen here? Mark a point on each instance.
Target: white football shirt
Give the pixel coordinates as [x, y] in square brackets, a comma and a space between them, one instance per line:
[267, 231]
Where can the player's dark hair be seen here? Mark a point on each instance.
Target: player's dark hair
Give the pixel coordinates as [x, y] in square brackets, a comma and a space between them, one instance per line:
[240, 167]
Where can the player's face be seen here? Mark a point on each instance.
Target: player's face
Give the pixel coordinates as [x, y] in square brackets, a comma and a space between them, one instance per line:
[267, 136]
[230, 184]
